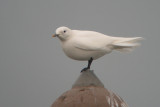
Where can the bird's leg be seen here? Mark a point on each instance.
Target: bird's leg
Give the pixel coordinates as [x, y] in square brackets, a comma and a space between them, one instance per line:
[89, 64]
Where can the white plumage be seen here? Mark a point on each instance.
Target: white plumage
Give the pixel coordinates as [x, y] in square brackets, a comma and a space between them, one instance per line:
[84, 45]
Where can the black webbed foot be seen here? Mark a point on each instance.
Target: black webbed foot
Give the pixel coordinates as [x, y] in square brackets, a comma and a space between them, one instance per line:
[84, 69]
[89, 64]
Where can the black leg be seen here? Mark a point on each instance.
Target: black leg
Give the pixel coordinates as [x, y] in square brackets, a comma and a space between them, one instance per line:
[89, 65]
[89, 62]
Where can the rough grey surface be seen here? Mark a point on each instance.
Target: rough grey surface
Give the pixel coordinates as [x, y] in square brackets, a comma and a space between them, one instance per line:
[88, 78]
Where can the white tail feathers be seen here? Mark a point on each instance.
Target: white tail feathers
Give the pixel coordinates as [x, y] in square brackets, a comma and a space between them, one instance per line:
[125, 44]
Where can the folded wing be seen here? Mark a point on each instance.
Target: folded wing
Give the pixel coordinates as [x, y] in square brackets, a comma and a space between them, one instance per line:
[92, 41]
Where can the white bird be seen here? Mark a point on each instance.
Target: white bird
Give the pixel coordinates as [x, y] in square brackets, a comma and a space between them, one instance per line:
[91, 45]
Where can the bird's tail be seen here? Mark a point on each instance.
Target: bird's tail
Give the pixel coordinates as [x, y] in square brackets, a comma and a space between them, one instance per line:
[125, 44]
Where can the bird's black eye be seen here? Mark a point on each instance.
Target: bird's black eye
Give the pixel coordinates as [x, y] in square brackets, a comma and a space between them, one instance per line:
[64, 31]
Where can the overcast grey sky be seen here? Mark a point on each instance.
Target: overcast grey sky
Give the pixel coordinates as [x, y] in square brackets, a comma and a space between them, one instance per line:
[34, 71]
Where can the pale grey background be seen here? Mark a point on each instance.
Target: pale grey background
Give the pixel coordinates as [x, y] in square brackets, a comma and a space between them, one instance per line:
[34, 70]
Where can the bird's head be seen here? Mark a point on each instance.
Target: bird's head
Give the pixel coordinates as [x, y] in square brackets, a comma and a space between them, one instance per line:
[63, 33]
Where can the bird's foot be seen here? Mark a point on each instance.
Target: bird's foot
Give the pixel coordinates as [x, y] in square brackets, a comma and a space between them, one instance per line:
[84, 69]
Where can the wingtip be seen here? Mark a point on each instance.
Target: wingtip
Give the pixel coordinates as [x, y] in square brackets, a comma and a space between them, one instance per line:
[140, 38]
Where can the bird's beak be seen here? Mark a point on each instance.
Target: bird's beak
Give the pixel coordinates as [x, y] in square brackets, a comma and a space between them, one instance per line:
[54, 35]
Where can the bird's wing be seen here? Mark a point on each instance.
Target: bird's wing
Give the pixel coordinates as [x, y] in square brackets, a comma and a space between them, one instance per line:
[91, 41]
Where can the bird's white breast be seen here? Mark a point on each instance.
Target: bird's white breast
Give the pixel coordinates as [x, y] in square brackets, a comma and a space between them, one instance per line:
[80, 54]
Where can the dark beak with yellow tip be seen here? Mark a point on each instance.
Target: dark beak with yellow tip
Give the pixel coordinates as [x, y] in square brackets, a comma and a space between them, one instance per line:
[55, 35]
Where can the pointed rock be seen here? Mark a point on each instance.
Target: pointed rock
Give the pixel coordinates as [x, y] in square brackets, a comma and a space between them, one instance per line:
[89, 91]
[87, 78]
